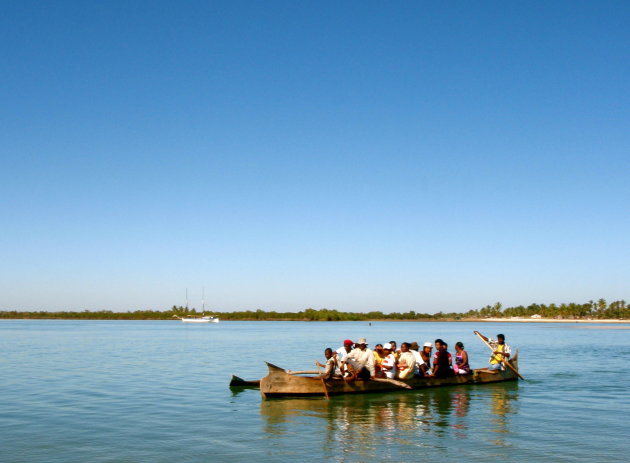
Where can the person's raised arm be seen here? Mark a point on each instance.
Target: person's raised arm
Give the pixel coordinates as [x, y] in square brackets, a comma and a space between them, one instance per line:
[482, 336]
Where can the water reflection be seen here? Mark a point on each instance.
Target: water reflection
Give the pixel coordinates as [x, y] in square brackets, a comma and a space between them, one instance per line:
[365, 425]
[236, 391]
[503, 404]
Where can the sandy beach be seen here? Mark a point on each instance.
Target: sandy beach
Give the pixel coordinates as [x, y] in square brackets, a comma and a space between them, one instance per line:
[547, 320]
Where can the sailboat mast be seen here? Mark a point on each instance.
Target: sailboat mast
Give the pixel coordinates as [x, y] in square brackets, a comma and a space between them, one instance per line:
[203, 300]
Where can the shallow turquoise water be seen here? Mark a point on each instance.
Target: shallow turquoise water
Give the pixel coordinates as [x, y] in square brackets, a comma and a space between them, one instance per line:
[142, 391]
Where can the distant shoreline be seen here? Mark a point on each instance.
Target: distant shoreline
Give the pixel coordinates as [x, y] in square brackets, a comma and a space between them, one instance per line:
[589, 312]
[462, 320]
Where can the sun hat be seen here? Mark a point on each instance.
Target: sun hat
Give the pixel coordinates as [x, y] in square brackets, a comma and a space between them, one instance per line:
[414, 345]
[387, 346]
[428, 344]
[362, 341]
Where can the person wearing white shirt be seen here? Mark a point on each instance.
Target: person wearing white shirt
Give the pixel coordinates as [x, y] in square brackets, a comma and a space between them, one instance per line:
[341, 355]
[417, 357]
[388, 365]
[362, 360]
[406, 362]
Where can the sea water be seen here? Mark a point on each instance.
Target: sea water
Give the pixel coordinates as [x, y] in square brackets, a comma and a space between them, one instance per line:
[157, 391]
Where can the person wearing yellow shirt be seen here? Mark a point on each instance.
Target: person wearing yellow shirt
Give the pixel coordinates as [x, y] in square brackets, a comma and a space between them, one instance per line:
[500, 352]
[379, 355]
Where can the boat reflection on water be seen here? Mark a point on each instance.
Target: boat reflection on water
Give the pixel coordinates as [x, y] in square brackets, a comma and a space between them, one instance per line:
[503, 405]
[360, 423]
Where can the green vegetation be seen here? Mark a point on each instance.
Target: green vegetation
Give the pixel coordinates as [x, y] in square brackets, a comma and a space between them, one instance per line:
[600, 310]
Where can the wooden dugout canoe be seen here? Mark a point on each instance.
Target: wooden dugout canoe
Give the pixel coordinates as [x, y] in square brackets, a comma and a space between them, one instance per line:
[278, 383]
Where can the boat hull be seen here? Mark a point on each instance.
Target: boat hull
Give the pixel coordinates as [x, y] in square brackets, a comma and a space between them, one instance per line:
[200, 320]
[278, 383]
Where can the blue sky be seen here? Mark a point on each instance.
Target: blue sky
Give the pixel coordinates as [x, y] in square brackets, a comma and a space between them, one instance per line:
[285, 155]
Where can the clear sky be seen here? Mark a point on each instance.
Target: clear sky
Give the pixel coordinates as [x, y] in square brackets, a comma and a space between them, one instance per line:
[288, 154]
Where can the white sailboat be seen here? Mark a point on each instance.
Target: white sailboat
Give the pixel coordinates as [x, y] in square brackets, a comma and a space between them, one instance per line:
[204, 318]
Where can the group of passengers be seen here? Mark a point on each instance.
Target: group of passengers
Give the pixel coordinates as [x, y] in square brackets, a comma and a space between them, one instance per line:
[356, 360]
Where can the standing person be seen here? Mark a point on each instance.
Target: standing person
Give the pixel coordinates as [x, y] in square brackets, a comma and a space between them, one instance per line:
[406, 362]
[331, 363]
[461, 366]
[442, 360]
[500, 352]
[362, 361]
[388, 365]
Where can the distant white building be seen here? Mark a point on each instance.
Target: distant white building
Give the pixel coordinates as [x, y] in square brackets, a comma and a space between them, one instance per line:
[536, 316]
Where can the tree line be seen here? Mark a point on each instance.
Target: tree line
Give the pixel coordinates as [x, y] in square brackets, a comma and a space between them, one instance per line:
[599, 309]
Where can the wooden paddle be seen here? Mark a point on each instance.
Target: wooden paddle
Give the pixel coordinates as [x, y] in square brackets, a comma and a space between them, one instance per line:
[323, 382]
[503, 360]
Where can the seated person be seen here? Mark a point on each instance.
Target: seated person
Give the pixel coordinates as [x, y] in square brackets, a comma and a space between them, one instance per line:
[341, 355]
[362, 361]
[415, 350]
[331, 364]
[461, 366]
[388, 365]
[406, 362]
[500, 352]
[424, 367]
[378, 359]
[395, 349]
[442, 360]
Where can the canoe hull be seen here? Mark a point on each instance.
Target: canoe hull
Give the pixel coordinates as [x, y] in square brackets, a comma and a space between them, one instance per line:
[240, 382]
[278, 383]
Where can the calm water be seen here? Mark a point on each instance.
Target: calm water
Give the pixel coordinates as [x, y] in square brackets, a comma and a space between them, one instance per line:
[118, 391]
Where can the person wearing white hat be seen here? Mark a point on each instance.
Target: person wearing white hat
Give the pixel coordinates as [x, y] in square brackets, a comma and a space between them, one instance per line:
[388, 365]
[362, 360]
[425, 366]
